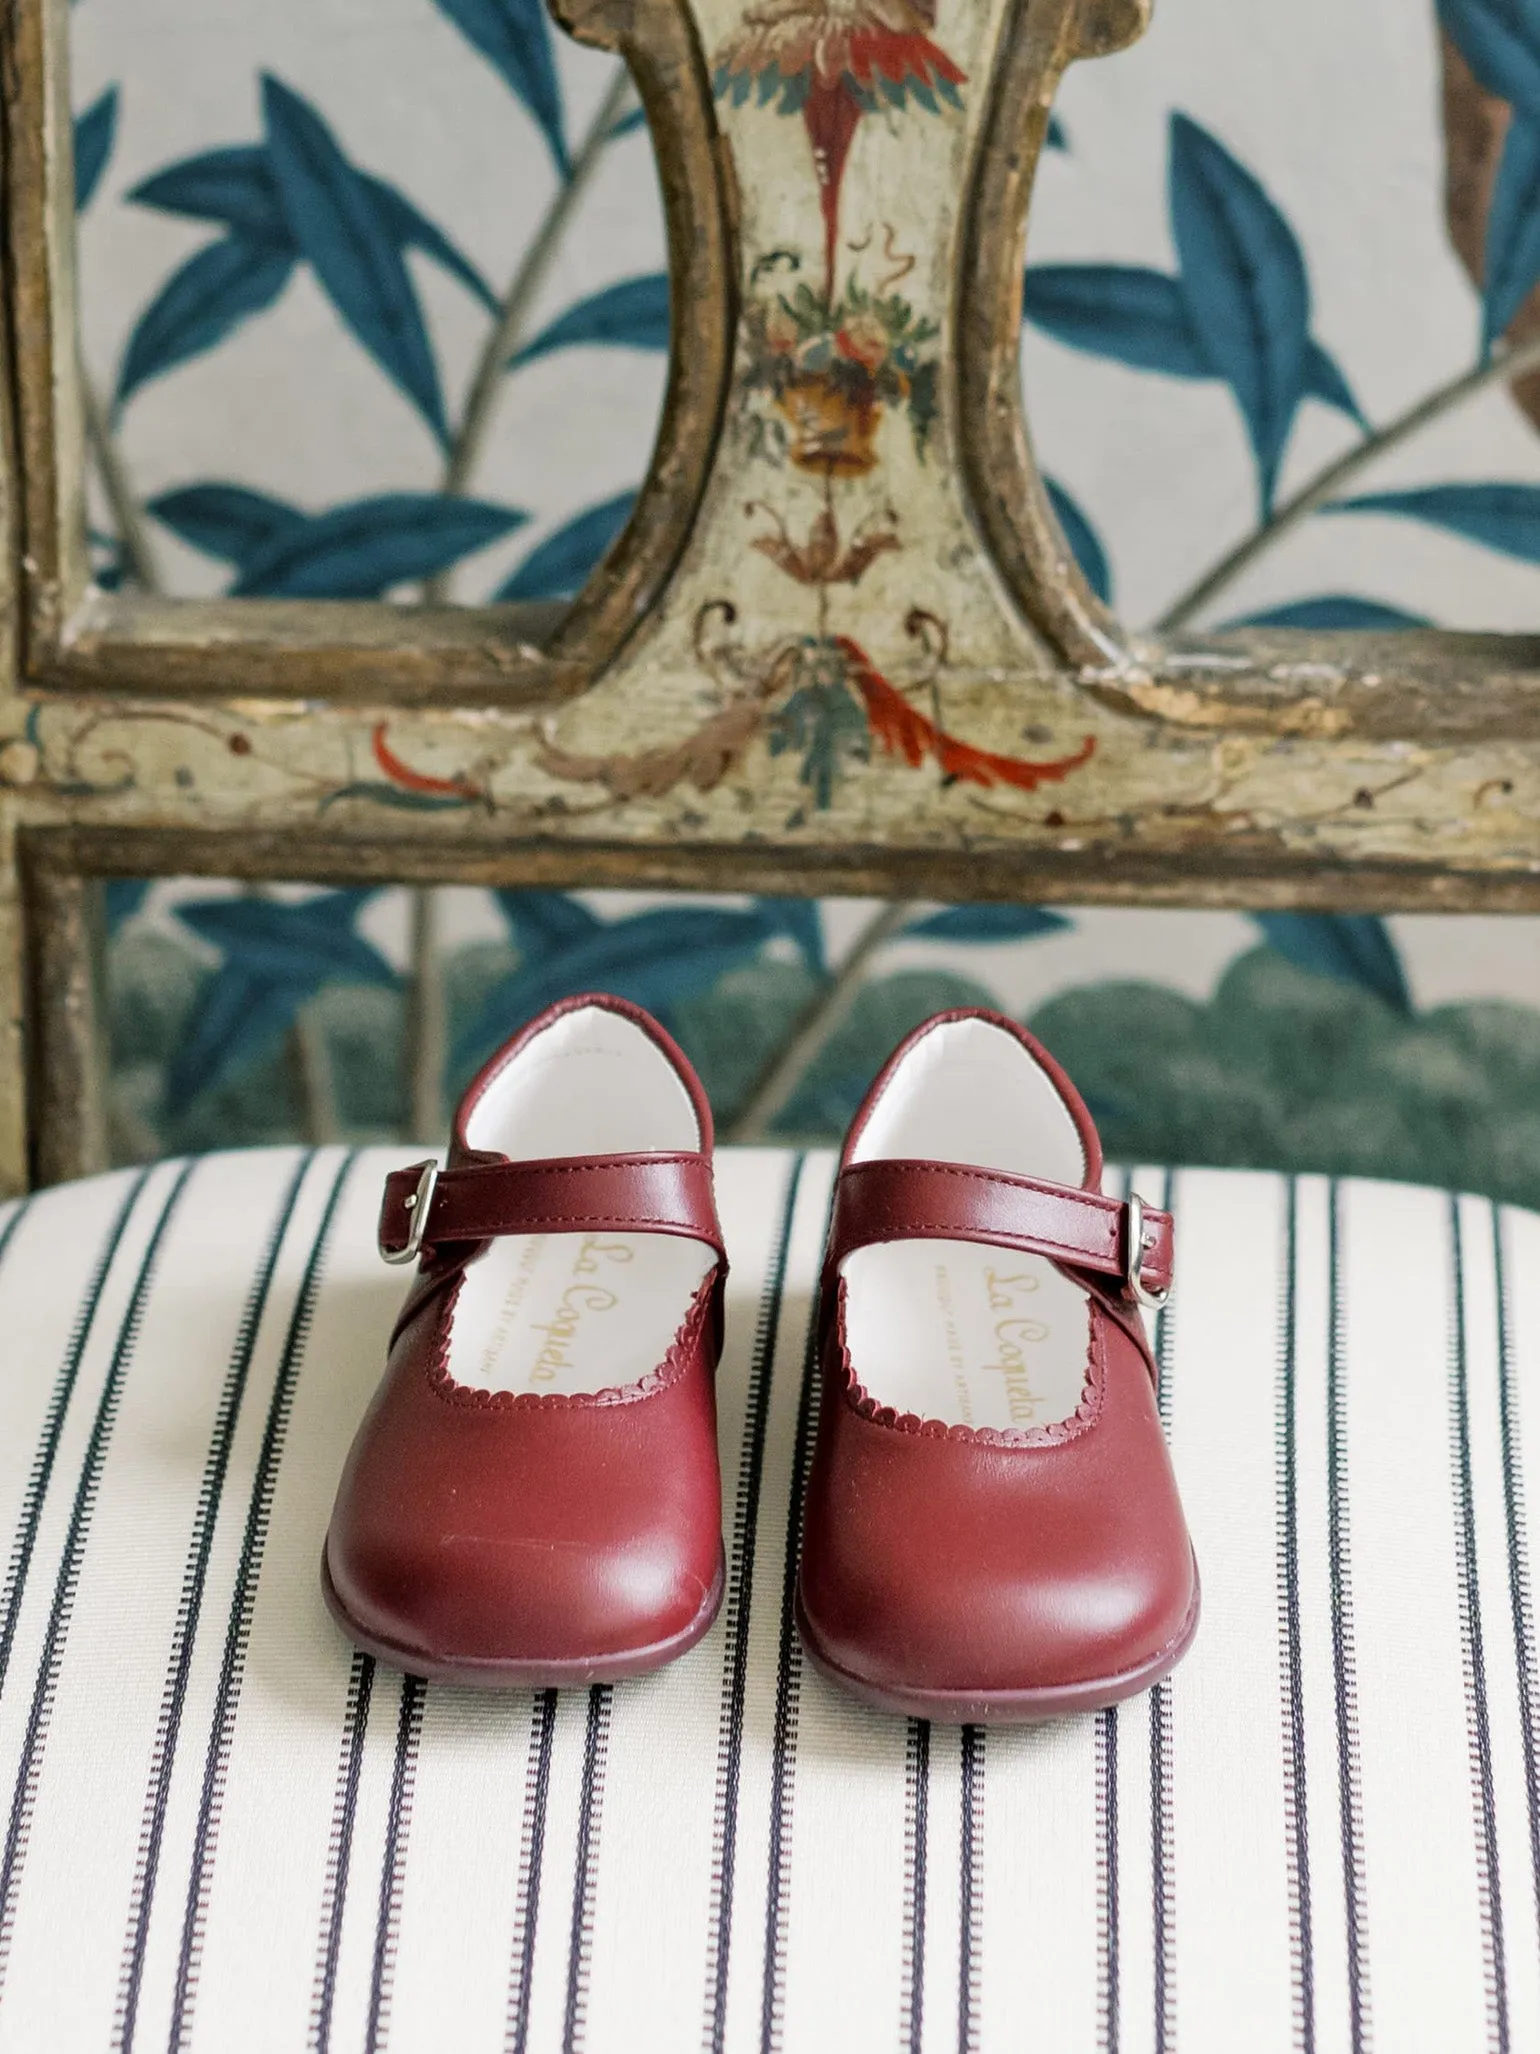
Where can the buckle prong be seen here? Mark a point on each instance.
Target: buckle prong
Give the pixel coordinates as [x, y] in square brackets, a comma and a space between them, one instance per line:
[418, 1206]
[1133, 1259]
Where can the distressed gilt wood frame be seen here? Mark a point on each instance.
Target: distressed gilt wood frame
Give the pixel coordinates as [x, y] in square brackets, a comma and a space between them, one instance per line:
[633, 737]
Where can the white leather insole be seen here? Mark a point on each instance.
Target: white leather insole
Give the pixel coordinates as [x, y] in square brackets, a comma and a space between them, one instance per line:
[576, 1313]
[951, 1330]
[572, 1313]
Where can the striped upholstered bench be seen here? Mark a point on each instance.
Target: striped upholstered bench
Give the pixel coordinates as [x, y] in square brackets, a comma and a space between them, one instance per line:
[225, 1830]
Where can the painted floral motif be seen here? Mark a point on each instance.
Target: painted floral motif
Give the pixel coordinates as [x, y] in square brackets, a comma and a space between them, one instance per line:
[820, 367]
[827, 369]
[833, 61]
[818, 697]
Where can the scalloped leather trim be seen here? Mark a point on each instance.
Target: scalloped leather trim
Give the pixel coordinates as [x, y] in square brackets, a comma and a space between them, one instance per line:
[1084, 1416]
[668, 1371]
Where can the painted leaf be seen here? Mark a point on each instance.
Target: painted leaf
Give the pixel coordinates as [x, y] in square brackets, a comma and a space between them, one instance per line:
[292, 940]
[1331, 610]
[802, 921]
[233, 185]
[987, 923]
[653, 959]
[336, 219]
[560, 565]
[1503, 516]
[1513, 229]
[1082, 539]
[1324, 381]
[236, 1018]
[237, 186]
[1500, 41]
[629, 123]
[1354, 948]
[124, 896]
[632, 314]
[544, 922]
[412, 230]
[109, 566]
[515, 37]
[227, 521]
[94, 133]
[378, 793]
[1057, 137]
[1245, 286]
[276, 956]
[1136, 316]
[199, 305]
[358, 551]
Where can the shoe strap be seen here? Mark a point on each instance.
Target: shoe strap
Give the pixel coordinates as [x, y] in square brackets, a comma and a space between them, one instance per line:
[890, 1199]
[619, 1194]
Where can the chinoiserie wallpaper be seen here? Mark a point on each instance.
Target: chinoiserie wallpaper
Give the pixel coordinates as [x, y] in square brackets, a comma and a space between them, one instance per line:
[373, 305]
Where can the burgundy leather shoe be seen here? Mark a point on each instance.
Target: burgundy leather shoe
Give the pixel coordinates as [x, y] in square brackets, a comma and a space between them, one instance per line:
[992, 1526]
[533, 1496]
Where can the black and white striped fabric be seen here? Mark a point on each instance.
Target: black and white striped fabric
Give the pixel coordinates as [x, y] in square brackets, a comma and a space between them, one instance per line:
[223, 1829]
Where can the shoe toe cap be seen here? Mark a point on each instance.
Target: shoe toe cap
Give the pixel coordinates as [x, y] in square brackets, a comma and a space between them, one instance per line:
[457, 1599]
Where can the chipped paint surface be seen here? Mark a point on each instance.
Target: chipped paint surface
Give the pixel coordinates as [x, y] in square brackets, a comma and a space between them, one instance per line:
[837, 665]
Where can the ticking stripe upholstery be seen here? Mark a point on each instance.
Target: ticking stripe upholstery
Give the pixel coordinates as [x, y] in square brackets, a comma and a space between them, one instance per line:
[223, 1829]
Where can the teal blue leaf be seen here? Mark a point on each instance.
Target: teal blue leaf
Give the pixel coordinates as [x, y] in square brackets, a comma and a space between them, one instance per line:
[1057, 137]
[629, 123]
[1503, 516]
[825, 725]
[336, 220]
[381, 794]
[109, 567]
[237, 186]
[544, 922]
[227, 521]
[1083, 540]
[1246, 289]
[1513, 229]
[1140, 318]
[412, 230]
[292, 938]
[515, 38]
[94, 133]
[653, 959]
[124, 897]
[1324, 381]
[1500, 41]
[1123, 311]
[358, 551]
[1331, 610]
[236, 1018]
[560, 565]
[800, 920]
[233, 185]
[199, 305]
[1354, 948]
[987, 923]
[632, 314]
[276, 956]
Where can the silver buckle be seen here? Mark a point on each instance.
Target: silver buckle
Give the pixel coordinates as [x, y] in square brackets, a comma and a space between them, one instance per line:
[418, 1207]
[1133, 1259]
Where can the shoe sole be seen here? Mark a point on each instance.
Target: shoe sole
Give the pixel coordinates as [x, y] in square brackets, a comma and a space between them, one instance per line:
[1004, 1707]
[494, 1673]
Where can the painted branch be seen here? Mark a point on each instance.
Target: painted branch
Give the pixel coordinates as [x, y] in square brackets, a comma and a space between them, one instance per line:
[778, 1084]
[1501, 369]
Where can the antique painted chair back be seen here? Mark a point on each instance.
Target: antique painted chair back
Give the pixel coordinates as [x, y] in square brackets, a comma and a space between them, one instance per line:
[841, 645]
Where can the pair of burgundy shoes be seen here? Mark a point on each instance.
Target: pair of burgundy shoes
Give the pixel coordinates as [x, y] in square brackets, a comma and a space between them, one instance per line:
[992, 1526]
